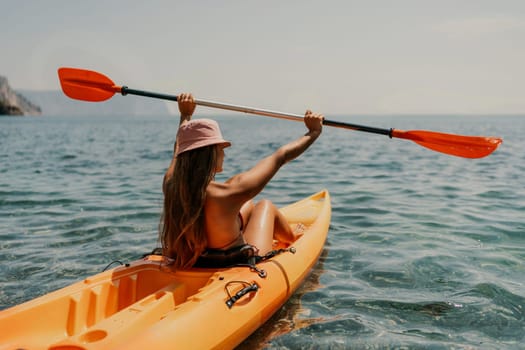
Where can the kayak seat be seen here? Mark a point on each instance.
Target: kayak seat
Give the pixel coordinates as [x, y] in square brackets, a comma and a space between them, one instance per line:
[218, 258]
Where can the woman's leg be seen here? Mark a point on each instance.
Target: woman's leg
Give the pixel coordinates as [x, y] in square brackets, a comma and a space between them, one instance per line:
[265, 222]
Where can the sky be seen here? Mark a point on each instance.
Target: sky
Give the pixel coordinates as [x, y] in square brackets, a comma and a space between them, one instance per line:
[335, 57]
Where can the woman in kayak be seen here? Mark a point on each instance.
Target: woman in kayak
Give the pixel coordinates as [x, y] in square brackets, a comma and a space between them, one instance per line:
[202, 215]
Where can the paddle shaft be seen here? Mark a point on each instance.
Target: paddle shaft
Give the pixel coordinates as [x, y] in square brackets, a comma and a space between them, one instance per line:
[264, 112]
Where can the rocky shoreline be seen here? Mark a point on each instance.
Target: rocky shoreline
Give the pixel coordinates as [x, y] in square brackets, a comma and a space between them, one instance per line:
[13, 103]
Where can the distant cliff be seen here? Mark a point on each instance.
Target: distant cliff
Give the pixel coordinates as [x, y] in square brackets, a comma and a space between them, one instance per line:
[14, 103]
[55, 103]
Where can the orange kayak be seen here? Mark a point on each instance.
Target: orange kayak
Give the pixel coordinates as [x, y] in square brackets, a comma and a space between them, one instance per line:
[149, 305]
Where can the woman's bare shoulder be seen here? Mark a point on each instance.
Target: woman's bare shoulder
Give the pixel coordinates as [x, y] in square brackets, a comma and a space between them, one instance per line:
[231, 190]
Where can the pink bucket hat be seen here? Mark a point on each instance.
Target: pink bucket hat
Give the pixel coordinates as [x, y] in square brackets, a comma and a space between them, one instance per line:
[199, 133]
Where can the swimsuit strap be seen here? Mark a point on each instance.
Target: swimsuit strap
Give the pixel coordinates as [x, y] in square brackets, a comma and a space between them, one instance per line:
[241, 220]
[241, 229]
[230, 243]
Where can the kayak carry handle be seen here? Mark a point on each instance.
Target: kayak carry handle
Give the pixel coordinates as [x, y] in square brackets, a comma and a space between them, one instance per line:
[248, 289]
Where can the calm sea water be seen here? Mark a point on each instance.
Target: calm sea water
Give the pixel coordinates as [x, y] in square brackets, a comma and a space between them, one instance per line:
[425, 251]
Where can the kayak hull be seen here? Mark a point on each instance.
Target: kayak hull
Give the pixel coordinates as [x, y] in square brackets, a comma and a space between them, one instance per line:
[148, 304]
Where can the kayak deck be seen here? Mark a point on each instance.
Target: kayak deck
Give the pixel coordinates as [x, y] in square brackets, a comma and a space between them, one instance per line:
[147, 304]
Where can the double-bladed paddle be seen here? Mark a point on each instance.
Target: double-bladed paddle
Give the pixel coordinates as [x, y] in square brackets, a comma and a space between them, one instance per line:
[87, 85]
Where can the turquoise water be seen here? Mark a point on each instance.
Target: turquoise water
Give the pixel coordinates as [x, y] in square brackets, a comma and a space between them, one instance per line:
[425, 251]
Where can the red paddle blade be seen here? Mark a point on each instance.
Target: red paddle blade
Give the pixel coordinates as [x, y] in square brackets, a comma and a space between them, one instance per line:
[456, 145]
[86, 85]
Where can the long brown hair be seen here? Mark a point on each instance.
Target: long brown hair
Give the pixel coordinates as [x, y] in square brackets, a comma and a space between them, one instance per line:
[182, 233]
